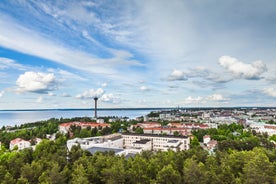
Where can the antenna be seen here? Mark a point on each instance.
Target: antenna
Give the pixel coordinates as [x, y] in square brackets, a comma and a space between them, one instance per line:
[95, 99]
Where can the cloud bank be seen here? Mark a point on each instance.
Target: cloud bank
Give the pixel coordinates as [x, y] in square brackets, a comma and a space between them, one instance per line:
[243, 70]
[88, 94]
[270, 92]
[36, 82]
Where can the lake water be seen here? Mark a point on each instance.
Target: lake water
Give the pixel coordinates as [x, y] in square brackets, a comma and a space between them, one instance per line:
[14, 117]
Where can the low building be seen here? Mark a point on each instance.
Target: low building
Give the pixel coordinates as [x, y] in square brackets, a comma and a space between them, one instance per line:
[146, 125]
[167, 131]
[156, 142]
[209, 144]
[143, 144]
[20, 143]
[107, 141]
[129, 144]
[263, 128]
[100, 120]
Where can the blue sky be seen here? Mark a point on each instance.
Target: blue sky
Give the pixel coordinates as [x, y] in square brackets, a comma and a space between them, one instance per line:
[60, 54]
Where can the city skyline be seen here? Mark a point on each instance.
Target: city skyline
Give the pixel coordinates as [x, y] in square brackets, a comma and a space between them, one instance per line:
[57, 54]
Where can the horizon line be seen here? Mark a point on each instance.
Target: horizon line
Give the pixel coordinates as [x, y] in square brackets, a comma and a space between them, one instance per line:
[138, 108]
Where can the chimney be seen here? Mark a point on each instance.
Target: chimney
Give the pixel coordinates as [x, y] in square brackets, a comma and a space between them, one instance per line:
[95, 99]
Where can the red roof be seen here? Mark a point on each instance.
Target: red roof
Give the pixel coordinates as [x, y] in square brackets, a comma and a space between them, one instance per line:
[270, 127]
[175, 124]
[162, 128]
[18, 140]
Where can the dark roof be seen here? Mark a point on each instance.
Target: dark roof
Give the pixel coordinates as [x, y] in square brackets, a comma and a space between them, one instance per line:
[93, 150]
[142, 141]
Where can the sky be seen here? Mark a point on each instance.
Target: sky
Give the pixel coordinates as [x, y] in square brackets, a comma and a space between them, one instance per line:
[137, 53]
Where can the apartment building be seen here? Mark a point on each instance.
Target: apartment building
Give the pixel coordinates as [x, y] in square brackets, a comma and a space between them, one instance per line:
[155, 142]
[20, 143]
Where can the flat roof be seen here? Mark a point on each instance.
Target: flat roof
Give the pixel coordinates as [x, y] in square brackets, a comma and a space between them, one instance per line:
[173, 141]
[95, 149]
[142, 141]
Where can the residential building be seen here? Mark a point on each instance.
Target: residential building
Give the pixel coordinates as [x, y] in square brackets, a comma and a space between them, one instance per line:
[167, 131]
[146, 125]
[209, 144]
[107, 141]
[20, 143]
[156, 142]
[129, 144]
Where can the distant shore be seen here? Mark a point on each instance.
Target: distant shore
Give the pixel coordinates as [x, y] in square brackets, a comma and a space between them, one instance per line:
[142, 108]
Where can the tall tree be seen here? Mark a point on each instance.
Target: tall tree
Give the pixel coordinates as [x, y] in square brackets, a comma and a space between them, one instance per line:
[168, 175]
[259, 170]
[79, 175]
[194, 172]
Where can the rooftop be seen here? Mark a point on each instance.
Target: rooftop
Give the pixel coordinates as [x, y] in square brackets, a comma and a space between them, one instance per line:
[95, 149]
[142, 141]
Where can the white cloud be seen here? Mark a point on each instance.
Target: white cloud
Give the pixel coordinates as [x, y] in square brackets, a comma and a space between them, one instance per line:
[109, 98]
[207, 99]
[270, 91]
[177, 75]
[15, 37]
[243, 70]
[65, 95]
[70, 11]
[144, 88]
[193, 100]
[39, 99]
[2, 93]
[51, 94]
[36, 82]
[91, 93]
[104, 84]
[6, 63]
[216, 97]
[67, 75]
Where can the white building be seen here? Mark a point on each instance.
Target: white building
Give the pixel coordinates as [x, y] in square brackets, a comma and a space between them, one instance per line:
[263, 128]
[206, 139]
[113, 142]
[155, 142]
[143, 144]
[108, 141]
[146, 118]
[130, 143]
[20, 143]
[223, 120]
[100, 121]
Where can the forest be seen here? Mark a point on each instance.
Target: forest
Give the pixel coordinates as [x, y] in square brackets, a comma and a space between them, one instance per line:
[241, 157]
[51, 163]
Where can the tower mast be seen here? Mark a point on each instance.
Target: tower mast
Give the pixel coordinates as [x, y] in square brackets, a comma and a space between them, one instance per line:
[95, 99]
